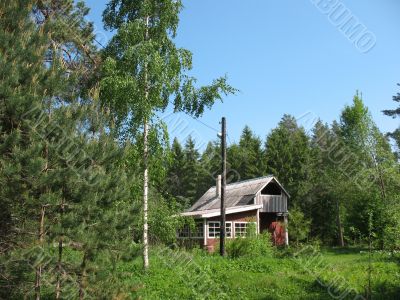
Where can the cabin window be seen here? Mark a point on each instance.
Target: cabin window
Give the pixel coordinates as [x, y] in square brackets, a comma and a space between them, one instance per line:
[228, 229]
[184, 232]
[272, 189]
[214, 229]
[198, 231]
[241, 229]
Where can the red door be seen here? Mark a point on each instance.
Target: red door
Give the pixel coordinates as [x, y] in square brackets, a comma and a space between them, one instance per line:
[278, 233]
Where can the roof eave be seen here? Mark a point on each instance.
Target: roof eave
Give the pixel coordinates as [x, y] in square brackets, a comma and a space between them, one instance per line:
[217, 212]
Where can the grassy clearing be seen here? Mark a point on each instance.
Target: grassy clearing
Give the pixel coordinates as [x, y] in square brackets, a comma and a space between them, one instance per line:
[196, 275]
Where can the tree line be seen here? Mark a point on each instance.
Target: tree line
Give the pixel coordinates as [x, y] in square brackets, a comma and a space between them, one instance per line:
[88, 176]
[337, 174]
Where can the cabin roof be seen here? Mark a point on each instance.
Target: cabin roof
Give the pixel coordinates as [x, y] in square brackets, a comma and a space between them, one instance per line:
[238, 194]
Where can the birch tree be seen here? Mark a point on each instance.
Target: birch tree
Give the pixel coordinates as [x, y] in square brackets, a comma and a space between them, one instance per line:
[144, 72]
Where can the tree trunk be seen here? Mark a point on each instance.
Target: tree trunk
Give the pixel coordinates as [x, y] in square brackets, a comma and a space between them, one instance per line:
[145, 199]
[82, 279]
[41, 222]
[380, 175]
[41, 239]
[60, 251]
[339, 225]
[145, 167]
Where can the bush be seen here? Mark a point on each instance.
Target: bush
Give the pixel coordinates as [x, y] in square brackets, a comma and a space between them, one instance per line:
[260, 245]
[299, 226]
[391, 232]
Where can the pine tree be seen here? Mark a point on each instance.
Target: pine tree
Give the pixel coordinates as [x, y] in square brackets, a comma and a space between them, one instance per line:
[24, 162]
[62, 180]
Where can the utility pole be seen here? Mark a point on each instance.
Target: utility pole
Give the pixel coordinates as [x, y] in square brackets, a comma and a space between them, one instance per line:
[223, 188]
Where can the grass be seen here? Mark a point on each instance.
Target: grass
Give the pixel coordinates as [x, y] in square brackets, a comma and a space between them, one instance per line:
[257, 273]
[340, 273]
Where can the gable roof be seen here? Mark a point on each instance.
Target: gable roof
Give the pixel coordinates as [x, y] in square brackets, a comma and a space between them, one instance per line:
[237, 194]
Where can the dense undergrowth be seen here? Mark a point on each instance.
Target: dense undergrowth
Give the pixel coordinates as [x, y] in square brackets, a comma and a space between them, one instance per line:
[303, 273]
[251, 270]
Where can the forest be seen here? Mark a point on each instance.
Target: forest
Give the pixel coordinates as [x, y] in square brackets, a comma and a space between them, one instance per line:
[92, 184]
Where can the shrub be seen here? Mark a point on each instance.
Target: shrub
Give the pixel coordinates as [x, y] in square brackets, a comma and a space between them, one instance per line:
[260, 245]
[299, 226]
[391, 232]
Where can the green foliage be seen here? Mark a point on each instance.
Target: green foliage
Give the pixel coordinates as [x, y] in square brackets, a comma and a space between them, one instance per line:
[193, 275]
[58, 166]
[251, 246]
[78, 160]
[287, 156]
[144, 71]
[395, 113]
[248, 159]
[391, 230]
[299, 226]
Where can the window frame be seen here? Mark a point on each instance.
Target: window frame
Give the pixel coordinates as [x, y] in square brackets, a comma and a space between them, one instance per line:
[216, 235]
[246, 226]
[184, 232]
[194, 234]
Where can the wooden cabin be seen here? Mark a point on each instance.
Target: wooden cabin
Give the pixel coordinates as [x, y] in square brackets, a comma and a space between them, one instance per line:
[261, 201]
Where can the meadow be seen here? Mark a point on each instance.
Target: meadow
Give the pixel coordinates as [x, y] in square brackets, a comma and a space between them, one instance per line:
[330, 273]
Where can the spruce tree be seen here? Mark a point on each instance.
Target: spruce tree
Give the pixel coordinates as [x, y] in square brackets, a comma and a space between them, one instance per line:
[174, 185]
[251, 160]
[324, 182]
[287, 156]
[395, 113]
[191, 169]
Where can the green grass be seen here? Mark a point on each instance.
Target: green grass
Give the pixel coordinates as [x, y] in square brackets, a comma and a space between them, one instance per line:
[196, 275]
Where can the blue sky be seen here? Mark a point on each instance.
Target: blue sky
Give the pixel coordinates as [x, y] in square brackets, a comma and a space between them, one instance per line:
[285, 56]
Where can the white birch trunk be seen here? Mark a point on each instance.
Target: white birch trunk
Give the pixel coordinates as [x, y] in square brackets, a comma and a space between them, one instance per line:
[145, 198]
[145, 167]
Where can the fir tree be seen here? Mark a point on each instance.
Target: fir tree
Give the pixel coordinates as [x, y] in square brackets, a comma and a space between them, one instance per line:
[250, 155]
[191, 168]
[287, 156]
[174, 178]
[395, 113]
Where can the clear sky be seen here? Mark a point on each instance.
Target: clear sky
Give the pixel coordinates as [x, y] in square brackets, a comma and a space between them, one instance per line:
[285, 56]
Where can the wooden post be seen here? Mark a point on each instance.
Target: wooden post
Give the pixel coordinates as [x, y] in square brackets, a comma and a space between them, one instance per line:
[205, 234]
[223, 188]
[285, 216]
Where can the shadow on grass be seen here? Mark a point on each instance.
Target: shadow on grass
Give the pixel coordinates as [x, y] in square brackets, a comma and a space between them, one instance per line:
[387, 291]
[344, 250]
[311, 290]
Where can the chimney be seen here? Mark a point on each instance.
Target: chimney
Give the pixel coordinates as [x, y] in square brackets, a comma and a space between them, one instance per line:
[218, 186]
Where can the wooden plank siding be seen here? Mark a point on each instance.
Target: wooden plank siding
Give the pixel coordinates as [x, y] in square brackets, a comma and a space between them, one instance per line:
[273, 204]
